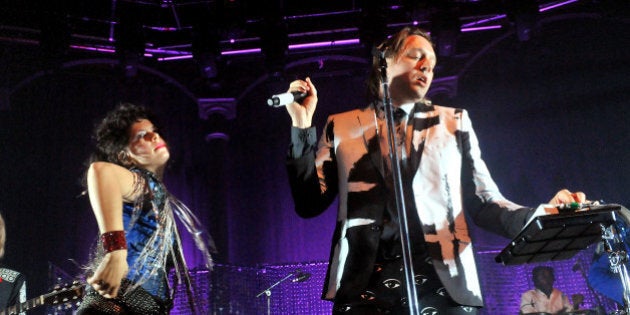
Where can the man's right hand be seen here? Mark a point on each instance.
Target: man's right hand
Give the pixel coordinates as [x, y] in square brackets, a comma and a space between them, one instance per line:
[302, 114]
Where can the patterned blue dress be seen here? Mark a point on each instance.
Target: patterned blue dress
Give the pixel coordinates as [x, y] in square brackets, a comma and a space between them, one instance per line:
[153, 249]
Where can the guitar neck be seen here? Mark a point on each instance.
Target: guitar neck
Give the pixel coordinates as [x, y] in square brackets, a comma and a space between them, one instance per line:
[66, 295]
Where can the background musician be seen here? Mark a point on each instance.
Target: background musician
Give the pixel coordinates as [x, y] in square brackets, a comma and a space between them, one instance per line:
[12, 283]
[544, 298]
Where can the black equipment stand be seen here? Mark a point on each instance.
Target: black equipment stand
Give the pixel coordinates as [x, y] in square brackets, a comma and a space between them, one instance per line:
[561, 236]
[410, 286]
[297, 275]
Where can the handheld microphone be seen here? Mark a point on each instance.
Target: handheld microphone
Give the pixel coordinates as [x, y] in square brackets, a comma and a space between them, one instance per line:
[284, 99]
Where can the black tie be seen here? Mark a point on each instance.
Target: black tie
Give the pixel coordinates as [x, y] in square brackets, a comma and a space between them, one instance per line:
[391, 228]
[400, 135]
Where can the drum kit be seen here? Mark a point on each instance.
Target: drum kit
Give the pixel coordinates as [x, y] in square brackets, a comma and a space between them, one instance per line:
[561, 236]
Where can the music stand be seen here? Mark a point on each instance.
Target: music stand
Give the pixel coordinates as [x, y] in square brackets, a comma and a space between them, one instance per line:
[561, 236]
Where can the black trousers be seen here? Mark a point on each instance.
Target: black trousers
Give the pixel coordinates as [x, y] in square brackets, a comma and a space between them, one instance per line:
[403, 310]
[386, 292]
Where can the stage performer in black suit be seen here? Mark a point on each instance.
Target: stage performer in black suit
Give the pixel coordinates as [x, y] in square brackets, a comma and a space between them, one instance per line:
[447, 186]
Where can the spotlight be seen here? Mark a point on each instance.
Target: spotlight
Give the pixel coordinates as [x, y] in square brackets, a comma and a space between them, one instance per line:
[524, 15]
[130, 39]
[130, 62]
[205, 44]
[445, 30]
[207, 65]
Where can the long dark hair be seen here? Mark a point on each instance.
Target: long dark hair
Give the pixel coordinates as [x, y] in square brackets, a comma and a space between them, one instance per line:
[112, 133]
[391, 48]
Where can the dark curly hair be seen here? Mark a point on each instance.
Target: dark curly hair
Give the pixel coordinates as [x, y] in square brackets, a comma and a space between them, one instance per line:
[392, 46]
[112, 134]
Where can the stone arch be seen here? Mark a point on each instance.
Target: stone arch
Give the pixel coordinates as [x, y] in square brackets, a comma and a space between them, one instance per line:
[102, 61]
[511, 32]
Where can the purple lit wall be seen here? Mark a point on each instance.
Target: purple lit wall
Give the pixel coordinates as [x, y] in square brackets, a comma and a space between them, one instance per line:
[233, 289]
[550, 113]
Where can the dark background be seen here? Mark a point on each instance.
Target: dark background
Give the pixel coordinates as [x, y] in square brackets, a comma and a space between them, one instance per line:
[547, 93]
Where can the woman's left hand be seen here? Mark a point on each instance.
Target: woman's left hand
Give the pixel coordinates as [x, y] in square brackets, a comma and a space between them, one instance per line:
[108, 276]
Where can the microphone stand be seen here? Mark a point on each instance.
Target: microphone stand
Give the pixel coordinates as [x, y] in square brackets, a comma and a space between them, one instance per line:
[600, 308]
[267, 291]
[398, 189]
[618, 260]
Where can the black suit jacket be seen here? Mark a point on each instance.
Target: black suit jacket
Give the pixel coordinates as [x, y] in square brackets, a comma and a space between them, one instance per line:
[446, 185]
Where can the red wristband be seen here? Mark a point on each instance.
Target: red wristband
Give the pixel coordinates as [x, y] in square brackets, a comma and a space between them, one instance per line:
[114, 240]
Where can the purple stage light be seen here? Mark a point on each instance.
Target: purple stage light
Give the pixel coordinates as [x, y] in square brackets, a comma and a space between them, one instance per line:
[481, 28]
[556, 5]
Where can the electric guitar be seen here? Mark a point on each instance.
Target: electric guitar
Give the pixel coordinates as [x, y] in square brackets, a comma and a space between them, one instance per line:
[65, 295]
